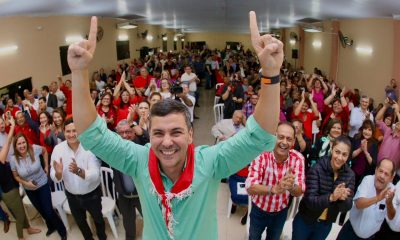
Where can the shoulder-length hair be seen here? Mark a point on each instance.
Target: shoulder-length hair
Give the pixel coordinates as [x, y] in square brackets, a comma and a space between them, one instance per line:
[17, 154]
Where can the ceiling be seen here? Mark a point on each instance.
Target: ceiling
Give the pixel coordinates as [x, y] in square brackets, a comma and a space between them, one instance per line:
[207, 15]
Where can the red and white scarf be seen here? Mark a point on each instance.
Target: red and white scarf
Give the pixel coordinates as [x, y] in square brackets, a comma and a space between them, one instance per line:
[181, 189]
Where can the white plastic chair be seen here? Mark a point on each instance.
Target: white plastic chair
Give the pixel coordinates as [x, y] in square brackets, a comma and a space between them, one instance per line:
[58, 199]
[336, 227]
[108, 200]
[216, 100]
[218, 112]
[293, 209]
[218, 85]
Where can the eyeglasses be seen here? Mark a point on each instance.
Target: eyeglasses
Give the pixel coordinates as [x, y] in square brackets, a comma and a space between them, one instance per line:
[125, 132]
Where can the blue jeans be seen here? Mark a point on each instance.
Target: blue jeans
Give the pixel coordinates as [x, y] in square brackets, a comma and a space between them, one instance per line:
[347, 232]
[260, 219]
[303, 229]
[41, 200]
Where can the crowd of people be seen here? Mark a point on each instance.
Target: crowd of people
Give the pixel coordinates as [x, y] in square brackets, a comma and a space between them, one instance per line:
[333, 147]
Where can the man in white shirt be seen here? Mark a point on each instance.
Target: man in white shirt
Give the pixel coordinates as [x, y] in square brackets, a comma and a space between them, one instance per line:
[358, 115]
[81, 176]
[372, 203]
[188, 100]
[59, 94]
[226, 128]
[191, 79]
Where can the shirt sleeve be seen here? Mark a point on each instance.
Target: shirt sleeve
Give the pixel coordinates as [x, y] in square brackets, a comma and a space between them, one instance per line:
[299, 171]
[382, 126]
[123, 155]
[362, 191]
[256, 172]
[54, 157]
[228, 157]
[92, 172]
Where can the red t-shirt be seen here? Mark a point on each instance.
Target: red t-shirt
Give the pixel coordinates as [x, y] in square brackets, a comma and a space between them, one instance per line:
[110, 115]
[122, 112]
[68, 95]
[42, 136]
[141, 82]
[12, 110]
[344, 116]
[307, 118]
[30, 134]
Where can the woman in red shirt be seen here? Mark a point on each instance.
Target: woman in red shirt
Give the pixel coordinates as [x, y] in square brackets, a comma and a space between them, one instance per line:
[47, 138]
[106, 110]
[301, 112]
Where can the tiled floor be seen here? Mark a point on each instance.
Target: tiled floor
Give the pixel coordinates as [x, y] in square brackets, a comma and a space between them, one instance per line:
[229, 229]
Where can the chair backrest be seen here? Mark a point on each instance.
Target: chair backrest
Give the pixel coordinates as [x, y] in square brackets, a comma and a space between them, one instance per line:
[218, 85]
[345, 218]
[59, 186]
[107, 183]
[218, 112]
[294, 207]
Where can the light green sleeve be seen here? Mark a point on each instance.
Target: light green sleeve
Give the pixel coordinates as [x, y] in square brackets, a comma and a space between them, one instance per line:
[126, 156]
[228, 157]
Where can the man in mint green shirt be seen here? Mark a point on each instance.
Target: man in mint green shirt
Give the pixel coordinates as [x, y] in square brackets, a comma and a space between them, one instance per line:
[177, 183]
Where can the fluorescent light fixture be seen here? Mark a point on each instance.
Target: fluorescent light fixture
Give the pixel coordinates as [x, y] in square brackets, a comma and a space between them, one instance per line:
[123, 37]
[317, 44]
[149, 38]
[292, 42]
[165, 38]
[312, 29]
[364, 50]
[73, 39]
[8, 49]
[126, 25]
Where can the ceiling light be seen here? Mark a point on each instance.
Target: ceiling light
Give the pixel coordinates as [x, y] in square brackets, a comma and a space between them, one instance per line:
[182, 39]
[8, 49]
[175, 39]
[312, 30]
[292, 42]
[149, 38]
[73, 39]
[317, 44]
[165, 38]
[123, 37]
[126, 25]
[364, 50]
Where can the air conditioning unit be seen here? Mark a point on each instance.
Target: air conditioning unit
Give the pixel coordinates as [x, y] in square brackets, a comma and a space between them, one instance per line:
[126, 25]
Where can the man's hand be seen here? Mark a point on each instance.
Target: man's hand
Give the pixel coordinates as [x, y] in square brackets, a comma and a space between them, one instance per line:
[338, 192]
[287, 181]
[382, 195]
[73, 167]
[81, 54]
[389, 196]
[269, 49]
[58, 166]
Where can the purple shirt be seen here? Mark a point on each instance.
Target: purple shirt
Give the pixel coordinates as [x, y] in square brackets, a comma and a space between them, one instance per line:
[390, 147]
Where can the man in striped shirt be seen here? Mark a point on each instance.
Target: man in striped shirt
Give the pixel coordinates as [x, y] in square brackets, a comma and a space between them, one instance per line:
[273, 178]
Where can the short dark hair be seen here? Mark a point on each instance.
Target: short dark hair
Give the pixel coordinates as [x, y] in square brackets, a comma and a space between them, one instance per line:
[68, 121]
[46, 88]
[169, 106]
[287, 124]
[393, 165]
[43, 98]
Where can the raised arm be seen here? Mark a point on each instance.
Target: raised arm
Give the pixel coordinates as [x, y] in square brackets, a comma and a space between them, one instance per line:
[6, 147]
[117, 90]
[79, 57]
[270, 54]
[329, 99]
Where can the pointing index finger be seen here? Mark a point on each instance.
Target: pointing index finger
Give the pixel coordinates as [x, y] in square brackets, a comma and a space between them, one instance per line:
[93, 33]
[253, 26]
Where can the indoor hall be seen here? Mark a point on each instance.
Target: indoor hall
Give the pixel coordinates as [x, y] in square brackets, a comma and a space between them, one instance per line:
[356, 47]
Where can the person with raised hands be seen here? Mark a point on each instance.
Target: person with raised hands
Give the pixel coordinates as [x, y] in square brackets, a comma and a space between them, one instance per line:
[329, 191]
[175, 180]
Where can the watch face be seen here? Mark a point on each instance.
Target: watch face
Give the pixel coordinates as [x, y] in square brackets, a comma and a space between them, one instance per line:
[100, 33]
